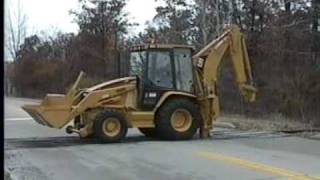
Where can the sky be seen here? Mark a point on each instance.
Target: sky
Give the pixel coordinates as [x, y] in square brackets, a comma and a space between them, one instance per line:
[47, 17]
[53, 15]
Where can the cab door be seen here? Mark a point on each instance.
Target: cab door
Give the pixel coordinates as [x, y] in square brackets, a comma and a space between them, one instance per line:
[183, 69]
[159, 77]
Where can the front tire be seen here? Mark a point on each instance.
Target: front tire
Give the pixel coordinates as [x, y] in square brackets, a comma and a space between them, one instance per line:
[110, 127]
[178, 119]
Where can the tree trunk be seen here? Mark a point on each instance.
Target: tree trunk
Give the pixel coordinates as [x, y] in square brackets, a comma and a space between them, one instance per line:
[235, 13]
[287, 5]
[253, 14]
[315, 15]
[203, 22]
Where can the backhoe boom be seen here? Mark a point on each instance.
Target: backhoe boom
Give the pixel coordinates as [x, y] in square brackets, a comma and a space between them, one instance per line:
[208, 60]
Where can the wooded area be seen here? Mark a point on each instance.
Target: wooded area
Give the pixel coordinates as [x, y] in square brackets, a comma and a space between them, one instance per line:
[283, 38]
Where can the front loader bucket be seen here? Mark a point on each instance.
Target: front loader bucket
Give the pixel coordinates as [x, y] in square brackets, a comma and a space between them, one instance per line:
[54, 111]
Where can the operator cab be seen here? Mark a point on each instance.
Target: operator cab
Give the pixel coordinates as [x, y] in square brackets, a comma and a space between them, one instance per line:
[161, 68]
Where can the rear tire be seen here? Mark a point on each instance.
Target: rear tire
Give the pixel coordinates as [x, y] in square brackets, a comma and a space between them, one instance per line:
[148, 132]
[178, 119]
[110, 127]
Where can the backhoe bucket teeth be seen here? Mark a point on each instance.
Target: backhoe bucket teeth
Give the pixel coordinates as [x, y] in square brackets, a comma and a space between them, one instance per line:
[54, 111]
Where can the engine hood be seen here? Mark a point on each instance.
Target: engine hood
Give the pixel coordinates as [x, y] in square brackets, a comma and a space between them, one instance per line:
[111, 83]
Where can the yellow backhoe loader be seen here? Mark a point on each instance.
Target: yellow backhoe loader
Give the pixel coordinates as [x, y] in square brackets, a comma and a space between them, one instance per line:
[170, 93]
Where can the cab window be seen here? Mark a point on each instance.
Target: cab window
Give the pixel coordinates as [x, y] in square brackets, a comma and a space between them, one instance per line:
[137, 63]
[183, 69]
[159, 69]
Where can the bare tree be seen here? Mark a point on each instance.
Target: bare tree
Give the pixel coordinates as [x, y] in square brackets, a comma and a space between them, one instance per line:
[212, 16]
[15, 29]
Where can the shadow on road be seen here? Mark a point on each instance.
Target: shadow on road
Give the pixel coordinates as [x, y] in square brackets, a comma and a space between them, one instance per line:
[54, 142]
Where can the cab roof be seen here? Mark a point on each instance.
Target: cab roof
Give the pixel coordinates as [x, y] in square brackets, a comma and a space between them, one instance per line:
[159, 46]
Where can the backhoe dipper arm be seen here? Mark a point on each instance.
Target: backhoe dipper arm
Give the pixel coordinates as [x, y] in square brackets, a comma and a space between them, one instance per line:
[231, 43]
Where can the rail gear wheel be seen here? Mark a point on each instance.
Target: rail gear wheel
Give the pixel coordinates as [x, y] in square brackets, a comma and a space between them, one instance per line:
[110, 127]
[178, 119]
[148, 132]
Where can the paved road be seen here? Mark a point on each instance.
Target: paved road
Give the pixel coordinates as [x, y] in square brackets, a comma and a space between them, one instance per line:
[36, 152]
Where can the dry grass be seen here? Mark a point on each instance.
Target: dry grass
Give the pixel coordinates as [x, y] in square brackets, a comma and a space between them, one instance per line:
[273, 123]
[7, 176]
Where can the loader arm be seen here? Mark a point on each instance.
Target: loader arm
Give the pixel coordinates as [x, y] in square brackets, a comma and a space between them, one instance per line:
[208, 60]
[73, 90]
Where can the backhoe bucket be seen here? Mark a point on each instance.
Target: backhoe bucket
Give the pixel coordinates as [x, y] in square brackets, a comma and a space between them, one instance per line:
[54, 111]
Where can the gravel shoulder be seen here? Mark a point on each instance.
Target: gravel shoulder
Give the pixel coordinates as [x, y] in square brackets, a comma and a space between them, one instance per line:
[272, 124]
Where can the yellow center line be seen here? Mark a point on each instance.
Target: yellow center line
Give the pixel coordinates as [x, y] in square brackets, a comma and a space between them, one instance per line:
[255, 166]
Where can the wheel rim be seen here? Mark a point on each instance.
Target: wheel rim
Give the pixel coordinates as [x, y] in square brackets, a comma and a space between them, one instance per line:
[181, 120]
[111, 127]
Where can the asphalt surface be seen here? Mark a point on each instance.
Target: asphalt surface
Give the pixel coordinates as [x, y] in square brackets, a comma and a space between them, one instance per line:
[36, 152]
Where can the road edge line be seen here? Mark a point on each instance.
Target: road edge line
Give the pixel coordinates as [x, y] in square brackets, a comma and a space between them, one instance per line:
[18, 119]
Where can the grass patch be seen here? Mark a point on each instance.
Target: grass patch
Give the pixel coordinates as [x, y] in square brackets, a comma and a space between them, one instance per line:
[7, 176]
